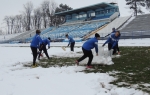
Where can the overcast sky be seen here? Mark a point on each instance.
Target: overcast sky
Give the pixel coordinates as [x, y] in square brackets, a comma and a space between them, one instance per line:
[14, 7]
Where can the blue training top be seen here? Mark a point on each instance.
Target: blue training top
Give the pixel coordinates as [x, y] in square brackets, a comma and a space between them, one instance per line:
[90, 44]
[71, 40]
[36, 41]
[46, 41]
[113, 32]
[113, 40]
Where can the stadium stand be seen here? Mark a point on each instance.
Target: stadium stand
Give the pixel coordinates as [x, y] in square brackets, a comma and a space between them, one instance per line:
[46, 30]
[23, 36]
[8, 37]
[86, 29]
[76, 30]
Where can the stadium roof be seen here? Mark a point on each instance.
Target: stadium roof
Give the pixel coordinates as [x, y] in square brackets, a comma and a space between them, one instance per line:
[87, 8]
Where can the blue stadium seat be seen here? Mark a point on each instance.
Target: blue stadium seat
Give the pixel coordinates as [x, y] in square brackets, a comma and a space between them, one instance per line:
[46, 30]
[76, 31]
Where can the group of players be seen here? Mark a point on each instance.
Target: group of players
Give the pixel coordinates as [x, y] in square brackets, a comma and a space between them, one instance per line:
[112, 41]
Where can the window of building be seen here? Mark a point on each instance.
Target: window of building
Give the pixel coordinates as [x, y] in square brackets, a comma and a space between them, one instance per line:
[117, 10]
[69, 17]
[84, 15]
[80, 16]
[97, 12]
[108, 11]
[102, 12]
[112, 10]
[77, 16]
[74, 16]
[92, 14]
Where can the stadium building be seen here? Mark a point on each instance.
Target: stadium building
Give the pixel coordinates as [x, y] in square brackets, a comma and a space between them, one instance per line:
[83, 23]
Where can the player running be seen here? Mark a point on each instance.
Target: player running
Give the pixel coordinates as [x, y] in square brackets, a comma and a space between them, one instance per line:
[43, 47]
[86, 48]
[35, 45]
[71, 42]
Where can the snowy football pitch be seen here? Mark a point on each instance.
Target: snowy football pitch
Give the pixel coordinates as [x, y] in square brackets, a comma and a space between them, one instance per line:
[129, 75]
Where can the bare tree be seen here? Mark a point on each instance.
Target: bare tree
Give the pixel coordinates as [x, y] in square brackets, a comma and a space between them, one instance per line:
[7, 21]
[12, 24]
[48, 11]
[51, 11]
[42, 17]
[37, 18]
[44, 8]
[137, 5]
[1, 32]
[28, 10]
[24, 24]
[18, 23]
[32, 25]
[147, 4]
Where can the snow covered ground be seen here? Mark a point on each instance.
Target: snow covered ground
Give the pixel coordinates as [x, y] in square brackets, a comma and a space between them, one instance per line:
[18, 80]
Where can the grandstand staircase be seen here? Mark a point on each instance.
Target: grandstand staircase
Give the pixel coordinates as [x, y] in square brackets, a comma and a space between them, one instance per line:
[140, 23]
[116, 23]
[107, 28]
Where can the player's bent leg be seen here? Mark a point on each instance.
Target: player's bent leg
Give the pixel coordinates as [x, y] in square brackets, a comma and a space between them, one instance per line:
[39, 54]
[45, 51]
[84, 56]
[90, 55]
[73, 46]
[34, 51]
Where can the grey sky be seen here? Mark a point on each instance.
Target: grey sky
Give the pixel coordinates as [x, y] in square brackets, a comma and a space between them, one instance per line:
[14, 7]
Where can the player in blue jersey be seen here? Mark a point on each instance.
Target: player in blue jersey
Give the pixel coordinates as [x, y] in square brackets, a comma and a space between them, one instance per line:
[43, 44]
[71, 42]
[86, 48]
[113, 41]
[35, 45]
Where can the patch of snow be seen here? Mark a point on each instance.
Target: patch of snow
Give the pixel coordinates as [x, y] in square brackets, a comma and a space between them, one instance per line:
[102, 58]
[18, 80]
[146, 84]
